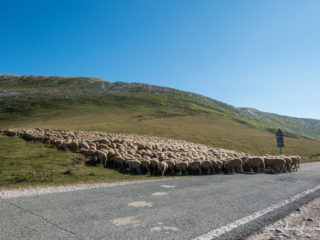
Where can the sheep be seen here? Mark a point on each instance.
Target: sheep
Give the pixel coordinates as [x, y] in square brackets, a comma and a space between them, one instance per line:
[206, 166]
[182, 167]
[83, 145]
[133, 165]
[217, 165]
[103, 146]
[153, 166]
[102, 157]
[72, 146]
[27, 136]
[276, 164]
[9, 133]
[171, 166]
[233, 165]
[60, 144]
[163, 166]
[289, 163]
[253, 163]
[109, 161]
[195, 158]
[299, 160]
[145, 166]
[119, 162]
[295, 162]
[195, 167]
[88, 153]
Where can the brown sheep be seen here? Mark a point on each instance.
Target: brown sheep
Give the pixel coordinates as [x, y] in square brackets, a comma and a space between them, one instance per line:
[289, 162]
[275, 164]
[133, 165]
[218, 166]
[233, 165]
[195, 167]
[145, 166]
[102, 157]
[109, 162]
[171, 164]
[182, 167]
[254, 164]
[206, 166]
[153, 166]
[295, 163]
[73, 146]
[299, 161]
[118, 161]
[88, 153]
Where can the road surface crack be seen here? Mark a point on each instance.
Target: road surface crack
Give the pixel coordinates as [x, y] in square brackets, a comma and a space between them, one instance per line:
[46, 220]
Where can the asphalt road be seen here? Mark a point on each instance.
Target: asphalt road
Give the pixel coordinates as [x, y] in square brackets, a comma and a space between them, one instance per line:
[179, 208]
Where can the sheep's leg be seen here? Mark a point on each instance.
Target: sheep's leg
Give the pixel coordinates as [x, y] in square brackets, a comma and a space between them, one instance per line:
[284, 167]
[122, 168]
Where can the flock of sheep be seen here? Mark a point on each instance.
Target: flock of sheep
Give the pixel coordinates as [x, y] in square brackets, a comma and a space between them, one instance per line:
[155, 156]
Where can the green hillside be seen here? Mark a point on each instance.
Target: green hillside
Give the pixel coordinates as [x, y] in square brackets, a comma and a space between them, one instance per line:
[96, 104]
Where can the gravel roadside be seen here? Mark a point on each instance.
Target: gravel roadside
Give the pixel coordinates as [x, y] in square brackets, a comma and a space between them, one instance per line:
[304, 223]
[5, 194]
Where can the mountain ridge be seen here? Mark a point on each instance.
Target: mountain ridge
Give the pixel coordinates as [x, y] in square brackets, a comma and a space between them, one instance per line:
[12, 87]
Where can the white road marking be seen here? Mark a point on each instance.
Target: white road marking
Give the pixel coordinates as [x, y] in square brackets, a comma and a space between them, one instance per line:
[156, 229]
[160, 193]
[168, 186]
[160, 228]
[140, 204]
[220, 231]
[170, 228]
[124, 221]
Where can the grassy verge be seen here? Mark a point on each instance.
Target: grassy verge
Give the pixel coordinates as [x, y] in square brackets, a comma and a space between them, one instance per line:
[25, 164]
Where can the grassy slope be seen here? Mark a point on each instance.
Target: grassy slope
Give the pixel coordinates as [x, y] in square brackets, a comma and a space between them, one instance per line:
[168, 115]
[161, 116]
[26, 164]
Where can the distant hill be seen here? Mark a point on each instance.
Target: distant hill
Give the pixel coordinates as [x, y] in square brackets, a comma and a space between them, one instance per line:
[95, 104]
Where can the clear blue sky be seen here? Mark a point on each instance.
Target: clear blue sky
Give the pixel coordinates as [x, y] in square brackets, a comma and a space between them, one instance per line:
[263, 54]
